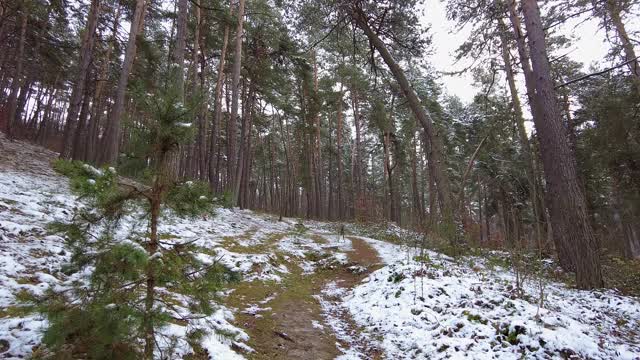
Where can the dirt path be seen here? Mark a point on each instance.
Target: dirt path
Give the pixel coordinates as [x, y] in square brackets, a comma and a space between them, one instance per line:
[285, 320]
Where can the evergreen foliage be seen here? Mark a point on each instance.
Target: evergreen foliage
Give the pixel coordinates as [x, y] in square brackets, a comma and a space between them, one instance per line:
[102, 315]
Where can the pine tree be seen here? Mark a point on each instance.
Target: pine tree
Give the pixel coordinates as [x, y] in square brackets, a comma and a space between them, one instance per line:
[108, 314]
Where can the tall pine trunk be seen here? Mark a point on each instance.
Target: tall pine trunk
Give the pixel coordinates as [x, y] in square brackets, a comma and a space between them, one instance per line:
[235, 95]
[214, 175]
[522, 133]
[17, 78]
[613, 10]
[437, 157]
[201, 88]
[111, 140]
[339, 156]
[78, 92]
[566, 255]
[568, 204]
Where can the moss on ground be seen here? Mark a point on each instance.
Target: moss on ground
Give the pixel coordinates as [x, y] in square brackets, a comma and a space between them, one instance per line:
[293, 307]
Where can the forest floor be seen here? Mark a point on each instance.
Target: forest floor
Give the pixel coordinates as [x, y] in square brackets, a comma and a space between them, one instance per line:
[309, 293]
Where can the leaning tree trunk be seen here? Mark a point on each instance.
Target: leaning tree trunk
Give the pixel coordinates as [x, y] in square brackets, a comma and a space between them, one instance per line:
[111, 141]
[522, 133]
[568, 202]
[77, 94]
[566, 255]
[437, 148]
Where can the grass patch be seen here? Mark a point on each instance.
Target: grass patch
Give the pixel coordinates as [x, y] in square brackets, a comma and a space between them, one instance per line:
[31, 280]
[8, 201]
[292, 301]
[16, 311]
[622, 274]
[319, 239]
[475, 318]
[233, 243]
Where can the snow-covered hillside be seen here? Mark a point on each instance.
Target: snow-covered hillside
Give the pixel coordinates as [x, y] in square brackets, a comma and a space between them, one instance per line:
[447, 308]
[373, 299]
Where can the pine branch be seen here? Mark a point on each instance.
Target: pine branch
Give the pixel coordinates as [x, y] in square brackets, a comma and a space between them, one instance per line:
[602, 72]
[326, 35]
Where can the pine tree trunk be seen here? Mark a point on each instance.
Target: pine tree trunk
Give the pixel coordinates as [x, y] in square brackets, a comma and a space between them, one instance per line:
[244, 150]
[339, 157]
[245, 130]
[181, 43]
[99, 101]
[317, 149]
[25, 93]
[46, 116]
[214, 174]
[522, 133]
[566, 257]
[235, 95]
[78, 92]
[568, 204]
[152, 248]
[80, 135]
[200, 60]
[17, 78]
[613, 10]
[388, 167]
[417, 203]
[111, 140]
[437, 148]
[33, 123]
[357, 166]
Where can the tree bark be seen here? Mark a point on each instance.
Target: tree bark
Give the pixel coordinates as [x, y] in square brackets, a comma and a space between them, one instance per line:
[199, 59]
[317, 147]
[613, 10]
[181, 43]
[357, 166]
[437, 148]
[111, 140]
[17, 78]
[566, 256]
[568, 204]
[522, 133]
[339, 156]
[80, 136]
[235, 94]
[217, 117]
[418, 209]
[77, 94]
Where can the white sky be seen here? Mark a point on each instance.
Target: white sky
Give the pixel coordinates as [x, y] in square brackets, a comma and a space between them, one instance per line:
[589, 47]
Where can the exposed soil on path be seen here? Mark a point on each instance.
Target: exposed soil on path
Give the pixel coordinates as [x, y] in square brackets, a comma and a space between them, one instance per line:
[289, 322]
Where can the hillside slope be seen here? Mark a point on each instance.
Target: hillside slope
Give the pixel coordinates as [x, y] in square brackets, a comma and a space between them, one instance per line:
[308, 292]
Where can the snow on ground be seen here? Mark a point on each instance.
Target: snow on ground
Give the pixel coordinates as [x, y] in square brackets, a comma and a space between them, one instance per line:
[440, 309]
[30, 259]
[447, 309]
[335, 315]
[32, 195]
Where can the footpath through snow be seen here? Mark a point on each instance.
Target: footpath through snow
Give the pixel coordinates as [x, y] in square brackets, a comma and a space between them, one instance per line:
[308, 293]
